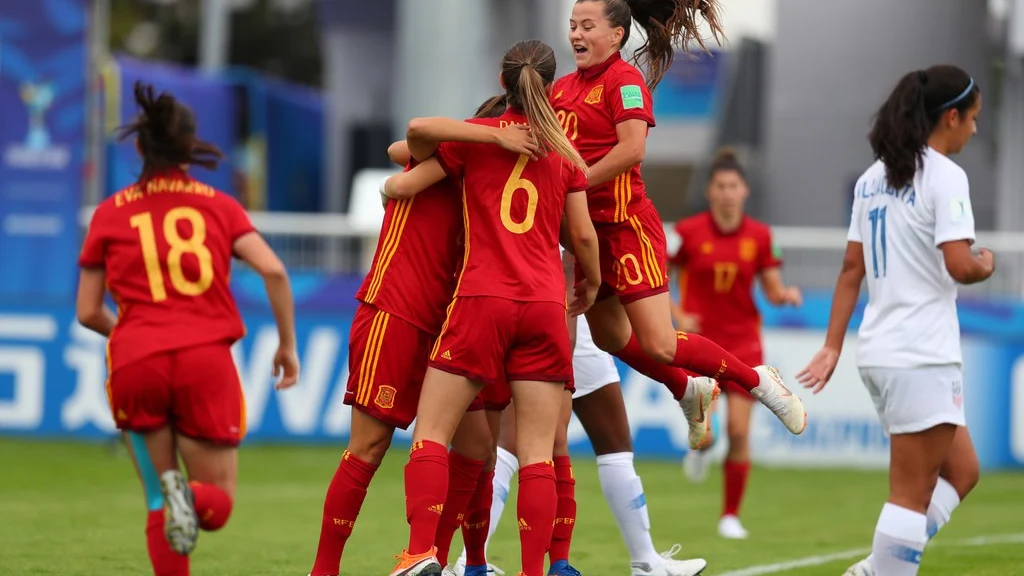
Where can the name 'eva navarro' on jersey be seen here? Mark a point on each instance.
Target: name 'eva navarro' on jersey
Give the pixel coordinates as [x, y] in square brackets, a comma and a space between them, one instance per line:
[876, 187]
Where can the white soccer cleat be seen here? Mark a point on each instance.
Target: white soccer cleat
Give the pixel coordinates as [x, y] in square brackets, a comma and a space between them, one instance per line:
[696, 405]
[670, 566]
[730, 527]
[784, 404]
[862, 568]
[449, 571]
[181, 525]
[696, 465]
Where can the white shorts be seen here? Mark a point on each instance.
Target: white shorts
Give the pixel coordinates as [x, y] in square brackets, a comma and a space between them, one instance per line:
[912, 400]
[592, 368]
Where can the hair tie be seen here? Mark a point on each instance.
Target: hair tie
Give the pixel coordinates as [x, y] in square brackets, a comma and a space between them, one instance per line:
[922, 76]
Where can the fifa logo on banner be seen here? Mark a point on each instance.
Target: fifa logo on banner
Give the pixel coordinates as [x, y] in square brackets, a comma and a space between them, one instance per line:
[38, 151]
[37, 98]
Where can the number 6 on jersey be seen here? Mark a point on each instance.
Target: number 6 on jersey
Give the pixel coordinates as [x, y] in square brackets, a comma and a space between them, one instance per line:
[143, 222]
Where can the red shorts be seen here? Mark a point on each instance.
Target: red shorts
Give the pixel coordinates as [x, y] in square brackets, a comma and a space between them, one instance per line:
[496, 340]
[494, 397]
[633, 258]
[750, 353]
[387, 359]
[195, 389]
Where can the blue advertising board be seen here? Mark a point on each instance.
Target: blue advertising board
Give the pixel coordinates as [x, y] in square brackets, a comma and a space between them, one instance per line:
[53, 373]
[42, 95]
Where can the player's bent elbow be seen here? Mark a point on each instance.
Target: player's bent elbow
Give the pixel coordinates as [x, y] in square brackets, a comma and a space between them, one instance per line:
[416, 128]
[90, 318]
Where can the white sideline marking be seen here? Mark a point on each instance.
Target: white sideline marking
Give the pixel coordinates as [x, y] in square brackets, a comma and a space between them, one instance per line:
[863, 552]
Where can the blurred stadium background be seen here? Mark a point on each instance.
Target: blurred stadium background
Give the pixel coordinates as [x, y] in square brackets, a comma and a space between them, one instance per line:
[305, 95]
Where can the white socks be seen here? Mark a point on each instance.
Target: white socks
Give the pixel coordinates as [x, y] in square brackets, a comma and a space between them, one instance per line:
[625, 495]
[944, 501]
[900, 536]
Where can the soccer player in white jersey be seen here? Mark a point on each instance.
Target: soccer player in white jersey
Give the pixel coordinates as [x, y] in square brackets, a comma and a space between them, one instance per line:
[911, 235]
[601, 410]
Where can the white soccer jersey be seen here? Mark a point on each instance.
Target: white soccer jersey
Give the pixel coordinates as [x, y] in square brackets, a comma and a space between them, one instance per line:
[911, 317]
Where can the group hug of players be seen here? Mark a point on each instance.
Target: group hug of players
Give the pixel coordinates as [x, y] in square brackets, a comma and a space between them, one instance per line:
[469, 309]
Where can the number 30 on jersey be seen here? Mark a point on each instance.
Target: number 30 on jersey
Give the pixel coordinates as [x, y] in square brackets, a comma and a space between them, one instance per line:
[143, 222]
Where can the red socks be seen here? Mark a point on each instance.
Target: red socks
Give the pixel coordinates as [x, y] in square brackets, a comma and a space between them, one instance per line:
[536, 511]
[463, 475]
[344, 498]
[735, 480]
[213, 505]
[672, 377]
[478, 520]
[426, 485]
[166, 562]
[697, 353]
[565, 514]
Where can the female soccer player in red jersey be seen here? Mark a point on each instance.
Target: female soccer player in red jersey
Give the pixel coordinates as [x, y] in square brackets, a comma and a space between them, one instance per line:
[723, 251]
[606, 110]
[390, 340]
[163, 248]
[508, 315]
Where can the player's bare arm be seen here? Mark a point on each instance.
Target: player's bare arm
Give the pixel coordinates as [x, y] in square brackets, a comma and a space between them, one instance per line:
[630, 151]
[844, 300]
[92, 312]
[412, 182]
[583, 238]
[776, 291]
[424, 135]
[398, 152]
[964, 265]
[253, 249]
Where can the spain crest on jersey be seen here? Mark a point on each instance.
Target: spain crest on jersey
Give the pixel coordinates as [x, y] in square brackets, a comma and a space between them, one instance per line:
[595, 95]
[748, 249]
[385, 397]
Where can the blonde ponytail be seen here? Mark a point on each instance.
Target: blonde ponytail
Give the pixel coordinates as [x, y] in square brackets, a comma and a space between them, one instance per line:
[540, 114]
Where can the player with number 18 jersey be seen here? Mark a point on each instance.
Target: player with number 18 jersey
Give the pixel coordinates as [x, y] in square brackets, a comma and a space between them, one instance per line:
[166, 247]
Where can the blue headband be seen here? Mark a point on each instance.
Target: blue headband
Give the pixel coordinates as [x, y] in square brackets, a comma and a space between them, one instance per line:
[955, 101]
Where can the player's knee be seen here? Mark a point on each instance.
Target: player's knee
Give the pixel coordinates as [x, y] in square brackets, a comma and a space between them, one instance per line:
[369, 449]
[217, 518]
[660, 345]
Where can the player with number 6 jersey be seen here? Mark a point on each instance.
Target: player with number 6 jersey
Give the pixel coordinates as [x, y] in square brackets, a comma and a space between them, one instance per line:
[509, 311]
[163, 247]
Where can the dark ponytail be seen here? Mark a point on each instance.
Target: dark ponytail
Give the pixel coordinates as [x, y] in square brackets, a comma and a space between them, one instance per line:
[493, 107]
[166, 133]
[908, 117]
[668, 25]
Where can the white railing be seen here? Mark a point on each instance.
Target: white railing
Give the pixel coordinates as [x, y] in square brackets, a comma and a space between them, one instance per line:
[338, 243]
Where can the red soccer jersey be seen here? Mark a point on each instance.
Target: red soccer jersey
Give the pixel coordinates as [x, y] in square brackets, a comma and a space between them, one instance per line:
[417, 258]
[166, 247]
[717, 278]
[590, 103]
[512, 214]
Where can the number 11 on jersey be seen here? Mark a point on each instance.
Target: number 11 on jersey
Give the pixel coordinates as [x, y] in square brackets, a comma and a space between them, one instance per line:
[879, 253]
